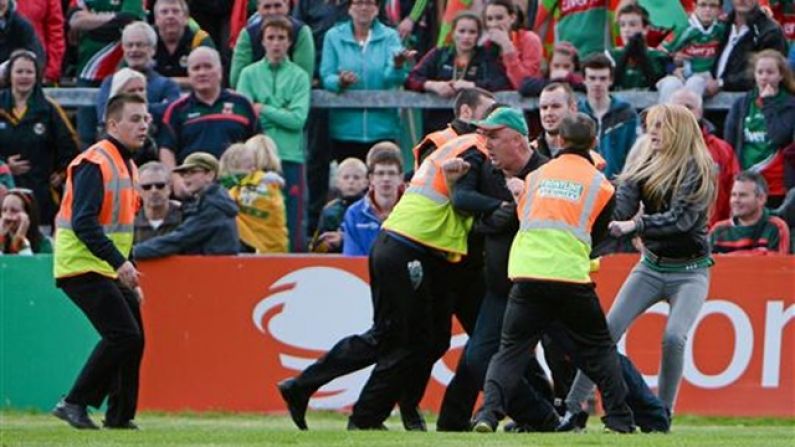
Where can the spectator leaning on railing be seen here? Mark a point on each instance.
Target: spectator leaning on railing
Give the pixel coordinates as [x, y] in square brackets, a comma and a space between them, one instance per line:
[362, 54]
[158, 215]
[19, 225]
[209, 226]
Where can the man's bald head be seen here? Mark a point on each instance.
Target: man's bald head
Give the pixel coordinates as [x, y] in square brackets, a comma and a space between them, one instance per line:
[689, 100]
[204, 71]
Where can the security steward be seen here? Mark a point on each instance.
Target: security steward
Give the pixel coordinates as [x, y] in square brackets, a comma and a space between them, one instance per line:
[563, 210]
[409, 274]
[93, 241]
[510, 158]
[355, 352]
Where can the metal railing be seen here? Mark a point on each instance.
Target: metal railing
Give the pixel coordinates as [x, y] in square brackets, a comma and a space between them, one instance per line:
[81, 96]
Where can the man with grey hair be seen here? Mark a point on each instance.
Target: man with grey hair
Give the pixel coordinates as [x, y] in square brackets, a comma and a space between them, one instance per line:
[209, 119]
[721, 151]
[176, 39]
[138, 42]
[158, 215]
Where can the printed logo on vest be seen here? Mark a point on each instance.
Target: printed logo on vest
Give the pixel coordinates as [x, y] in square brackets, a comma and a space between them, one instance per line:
[560, 189]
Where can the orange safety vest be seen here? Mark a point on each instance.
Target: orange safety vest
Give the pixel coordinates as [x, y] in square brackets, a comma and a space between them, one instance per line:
[116, 215]
[561, 202]
[424, 213]
[429, 179]
[438, 138]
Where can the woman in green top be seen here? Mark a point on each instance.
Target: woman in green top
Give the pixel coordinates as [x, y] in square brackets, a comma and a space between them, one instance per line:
[672, 177]
[19, 225]
[760, 124]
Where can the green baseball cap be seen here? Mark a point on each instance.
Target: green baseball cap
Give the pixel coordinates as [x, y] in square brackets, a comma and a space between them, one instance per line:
[199, 160]
[504, 117]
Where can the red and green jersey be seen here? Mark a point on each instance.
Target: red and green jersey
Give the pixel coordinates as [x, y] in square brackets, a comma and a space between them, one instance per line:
[699, 42]
[770, 235]
[98, 57]
[784, 13]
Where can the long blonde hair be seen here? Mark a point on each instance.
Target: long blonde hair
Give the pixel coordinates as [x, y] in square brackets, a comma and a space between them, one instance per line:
[683, 148]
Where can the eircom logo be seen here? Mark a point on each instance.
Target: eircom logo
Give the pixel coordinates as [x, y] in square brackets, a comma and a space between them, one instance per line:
[308, 311]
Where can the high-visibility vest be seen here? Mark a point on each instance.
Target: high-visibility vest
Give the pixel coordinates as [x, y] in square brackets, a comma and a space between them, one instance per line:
[438, 138]
[424, 213]
[562, 199]
[116, 215]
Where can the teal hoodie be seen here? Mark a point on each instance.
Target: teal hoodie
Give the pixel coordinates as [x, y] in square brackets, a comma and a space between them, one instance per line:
[375, 69]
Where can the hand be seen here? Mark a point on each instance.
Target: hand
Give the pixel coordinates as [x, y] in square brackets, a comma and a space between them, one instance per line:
[767, 91]
[178, 187]
[712, 88]
[403, 56]
[516, 186]
[23, 223]
[139, 292]
[680, 57]
[501, 38]
[17, 165]
[620, 228]
[502, 216]
[128, 275]
[405, 27]
[57, 178]
[348, 78]
[454, 168]
[441, 88]
[258, 106]
[332, 239]
[558, 74]
[462, 85]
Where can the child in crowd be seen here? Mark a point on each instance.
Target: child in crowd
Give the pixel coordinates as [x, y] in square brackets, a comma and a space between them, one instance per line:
[564, 66]
[636, 65]
[352, 184]
[694, 50]
[19, 225]
[520, 50]
[250, 172]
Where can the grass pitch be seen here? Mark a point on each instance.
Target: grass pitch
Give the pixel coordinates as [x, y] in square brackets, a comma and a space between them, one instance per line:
[328, 429]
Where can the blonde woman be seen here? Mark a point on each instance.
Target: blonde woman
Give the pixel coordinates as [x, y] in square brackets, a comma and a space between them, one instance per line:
[673, 180]
[250, 172]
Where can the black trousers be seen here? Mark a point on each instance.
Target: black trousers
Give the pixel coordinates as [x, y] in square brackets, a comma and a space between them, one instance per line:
[462, 391]
[533, 308]
[113, 367]
[405, 281]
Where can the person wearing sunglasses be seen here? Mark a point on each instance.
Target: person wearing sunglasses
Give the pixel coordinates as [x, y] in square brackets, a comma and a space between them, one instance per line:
[158, 215]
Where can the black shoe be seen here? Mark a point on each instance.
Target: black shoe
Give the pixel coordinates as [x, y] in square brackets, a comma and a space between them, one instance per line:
[484, 424]
[129, 425]
[412, 420]
[573, 421]
[74, 414]
[296, 402]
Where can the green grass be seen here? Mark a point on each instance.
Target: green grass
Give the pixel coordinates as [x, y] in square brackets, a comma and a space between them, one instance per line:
[184, 429]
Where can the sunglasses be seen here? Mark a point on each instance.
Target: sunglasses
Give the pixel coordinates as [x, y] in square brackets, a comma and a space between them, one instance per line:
[149, 186]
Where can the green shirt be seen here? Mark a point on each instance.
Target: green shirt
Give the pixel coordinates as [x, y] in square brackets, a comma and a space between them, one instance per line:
[302, 54]
[756, 144]
[284, 92]
[97, 57]
[701, 44]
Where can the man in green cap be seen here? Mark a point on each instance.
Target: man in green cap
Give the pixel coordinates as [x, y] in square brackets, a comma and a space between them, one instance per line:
[209, 226]
[563, 210]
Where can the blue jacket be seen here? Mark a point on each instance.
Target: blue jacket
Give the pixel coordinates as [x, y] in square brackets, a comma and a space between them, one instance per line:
[375, 69]
[359, 228]
[209, 228]
[617, 132]
[160, 93]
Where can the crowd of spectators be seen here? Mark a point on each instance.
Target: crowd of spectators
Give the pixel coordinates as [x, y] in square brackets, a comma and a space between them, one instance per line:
[235, 145]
